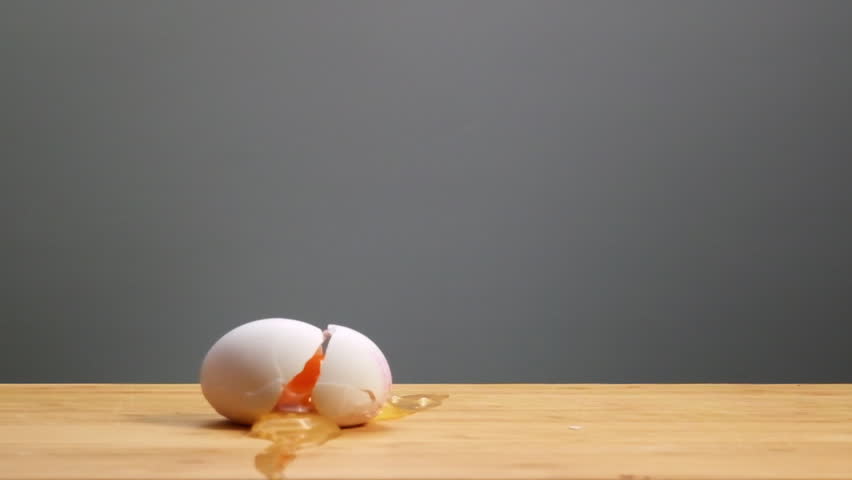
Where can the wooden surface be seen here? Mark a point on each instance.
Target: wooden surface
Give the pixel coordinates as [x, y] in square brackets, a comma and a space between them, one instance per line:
[481, 431]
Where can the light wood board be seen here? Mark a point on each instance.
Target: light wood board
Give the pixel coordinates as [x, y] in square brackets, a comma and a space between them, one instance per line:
[481, 432]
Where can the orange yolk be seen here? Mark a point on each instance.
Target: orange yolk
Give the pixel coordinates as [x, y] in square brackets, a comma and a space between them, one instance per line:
[297, 393]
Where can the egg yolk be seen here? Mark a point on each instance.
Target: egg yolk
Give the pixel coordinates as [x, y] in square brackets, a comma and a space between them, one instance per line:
[297, 393]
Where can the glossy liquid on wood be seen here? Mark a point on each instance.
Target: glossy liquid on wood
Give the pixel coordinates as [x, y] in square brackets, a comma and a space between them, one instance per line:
[272, 462]
[405, 405]
[290, 432]
[487, 432]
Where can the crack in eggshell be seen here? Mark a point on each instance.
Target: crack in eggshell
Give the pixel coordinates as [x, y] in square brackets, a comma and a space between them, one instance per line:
[370, 393]
[244, 372]
[280, 405]
[267, 364]
[326, 335]
[296, 394]
[346, 403]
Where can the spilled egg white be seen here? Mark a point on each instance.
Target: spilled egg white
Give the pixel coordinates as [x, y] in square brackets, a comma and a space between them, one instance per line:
[245, 371]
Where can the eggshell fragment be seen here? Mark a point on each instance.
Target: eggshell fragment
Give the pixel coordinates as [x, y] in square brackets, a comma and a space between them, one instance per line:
[244, 372]
[355, 380]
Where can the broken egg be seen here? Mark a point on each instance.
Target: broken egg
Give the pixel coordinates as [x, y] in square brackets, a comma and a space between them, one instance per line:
[279, 364]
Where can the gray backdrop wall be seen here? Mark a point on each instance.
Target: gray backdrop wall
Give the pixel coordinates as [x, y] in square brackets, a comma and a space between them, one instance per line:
[494, 191]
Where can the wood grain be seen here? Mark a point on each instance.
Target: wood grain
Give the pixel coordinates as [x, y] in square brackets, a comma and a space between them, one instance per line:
[481, 432]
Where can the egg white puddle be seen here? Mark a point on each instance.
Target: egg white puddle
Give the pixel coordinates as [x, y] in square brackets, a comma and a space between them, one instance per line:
[298, 386]
[292, 432]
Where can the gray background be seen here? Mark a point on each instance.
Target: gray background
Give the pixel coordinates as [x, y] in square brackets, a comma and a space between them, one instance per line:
[494, 191]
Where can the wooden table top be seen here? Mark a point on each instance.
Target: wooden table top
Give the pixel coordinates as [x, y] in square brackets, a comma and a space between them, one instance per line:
[480, 432]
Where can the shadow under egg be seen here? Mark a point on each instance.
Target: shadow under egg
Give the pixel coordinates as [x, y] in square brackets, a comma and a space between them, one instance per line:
[224, 424]
[190, 420]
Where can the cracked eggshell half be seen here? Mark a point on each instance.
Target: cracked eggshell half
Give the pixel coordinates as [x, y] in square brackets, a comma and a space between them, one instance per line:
[355, 380]
[243, 374]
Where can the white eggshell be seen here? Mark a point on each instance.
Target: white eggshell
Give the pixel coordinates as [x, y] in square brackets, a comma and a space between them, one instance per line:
[243, 374]
[355, 380]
